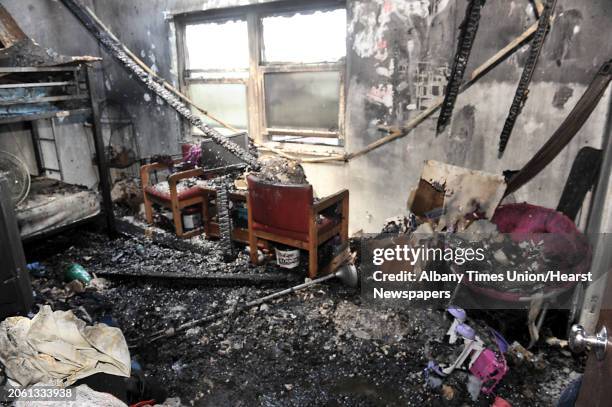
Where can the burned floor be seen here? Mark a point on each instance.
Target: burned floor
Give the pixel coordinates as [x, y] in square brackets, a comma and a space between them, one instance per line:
[305, 203]
[321, 346]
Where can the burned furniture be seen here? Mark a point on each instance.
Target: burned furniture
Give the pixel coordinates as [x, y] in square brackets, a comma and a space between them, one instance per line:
[238, 214]
[53, 205]
[176, 196]
[15, 288]
[287, 214]
[187, 192]
[46, 98]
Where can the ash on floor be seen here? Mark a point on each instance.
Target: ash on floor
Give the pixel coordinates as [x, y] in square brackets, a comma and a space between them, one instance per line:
[318, 347]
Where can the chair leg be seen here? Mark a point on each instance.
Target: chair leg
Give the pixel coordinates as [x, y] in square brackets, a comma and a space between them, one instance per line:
[178, 221]
[253, 248]
[148, 209]
[345, 221]
[313, 261]
[205, 218]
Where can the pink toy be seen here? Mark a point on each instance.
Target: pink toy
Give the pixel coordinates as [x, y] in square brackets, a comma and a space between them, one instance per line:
[500, 402]
[490, 369]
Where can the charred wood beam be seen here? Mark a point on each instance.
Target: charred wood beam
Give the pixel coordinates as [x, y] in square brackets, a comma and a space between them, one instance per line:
[10, 32]
[522, 91]
[204, 280]
[467, 35]
[116, 49]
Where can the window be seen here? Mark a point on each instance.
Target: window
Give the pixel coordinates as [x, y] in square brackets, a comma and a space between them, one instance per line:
[291, 38]
[277, 73]
[216, 78]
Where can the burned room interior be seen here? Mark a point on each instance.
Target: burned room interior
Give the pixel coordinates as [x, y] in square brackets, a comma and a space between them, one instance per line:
[305, 203]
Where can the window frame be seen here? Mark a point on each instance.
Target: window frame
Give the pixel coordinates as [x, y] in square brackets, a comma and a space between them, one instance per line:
[189, 76]
[255, 74]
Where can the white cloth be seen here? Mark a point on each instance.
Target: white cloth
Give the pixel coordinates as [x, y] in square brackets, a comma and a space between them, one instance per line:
[58, 348]
[85, 397]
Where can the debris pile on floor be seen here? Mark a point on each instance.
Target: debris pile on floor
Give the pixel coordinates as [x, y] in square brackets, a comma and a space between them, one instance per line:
[139, 256]
[316, 347]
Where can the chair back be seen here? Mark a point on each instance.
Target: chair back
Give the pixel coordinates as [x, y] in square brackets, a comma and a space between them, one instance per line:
[285, 207]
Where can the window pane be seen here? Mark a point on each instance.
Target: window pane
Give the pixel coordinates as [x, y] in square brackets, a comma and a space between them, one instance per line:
[305, 37]
[220, 45]
[225, 101]
[303, 100]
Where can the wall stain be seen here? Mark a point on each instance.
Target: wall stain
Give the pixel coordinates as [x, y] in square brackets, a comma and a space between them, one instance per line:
[562, 95]
[565, 37]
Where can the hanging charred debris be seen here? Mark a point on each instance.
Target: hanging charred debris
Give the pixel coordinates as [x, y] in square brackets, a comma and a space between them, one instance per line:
[467, 35]
[118, 51]
[19, 50]
[522, 90]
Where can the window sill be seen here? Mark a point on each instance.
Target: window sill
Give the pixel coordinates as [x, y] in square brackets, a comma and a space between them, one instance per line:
[305, 150]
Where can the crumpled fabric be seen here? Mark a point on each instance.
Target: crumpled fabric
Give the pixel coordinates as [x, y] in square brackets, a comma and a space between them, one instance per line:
[58, 348]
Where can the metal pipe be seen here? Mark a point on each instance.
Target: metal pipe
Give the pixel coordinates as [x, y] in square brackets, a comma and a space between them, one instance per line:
[347, 274]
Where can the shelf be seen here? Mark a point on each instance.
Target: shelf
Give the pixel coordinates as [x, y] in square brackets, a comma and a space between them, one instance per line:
[36, 85]
[40, 116]
[37, 69]
[48, 99]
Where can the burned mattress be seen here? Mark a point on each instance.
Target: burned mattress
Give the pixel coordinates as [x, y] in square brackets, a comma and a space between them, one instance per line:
[53, 204]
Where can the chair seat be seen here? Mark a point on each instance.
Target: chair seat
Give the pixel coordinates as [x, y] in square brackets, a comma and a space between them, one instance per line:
[323, 226]
[183, 193]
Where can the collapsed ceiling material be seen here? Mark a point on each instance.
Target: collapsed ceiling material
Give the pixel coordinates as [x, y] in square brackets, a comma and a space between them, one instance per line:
[18, 50]
[522, 90]
[118, 50]
[467, 35]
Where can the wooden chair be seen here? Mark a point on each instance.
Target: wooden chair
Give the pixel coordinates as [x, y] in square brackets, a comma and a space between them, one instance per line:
[173, 199]
[197, 195]
[287, 214]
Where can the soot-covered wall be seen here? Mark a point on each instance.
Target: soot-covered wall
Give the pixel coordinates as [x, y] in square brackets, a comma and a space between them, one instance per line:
[398, 50]
[54, 28]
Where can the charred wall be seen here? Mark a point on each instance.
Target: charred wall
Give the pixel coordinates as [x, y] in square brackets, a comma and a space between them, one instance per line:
[50, 25]
[399, 51]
